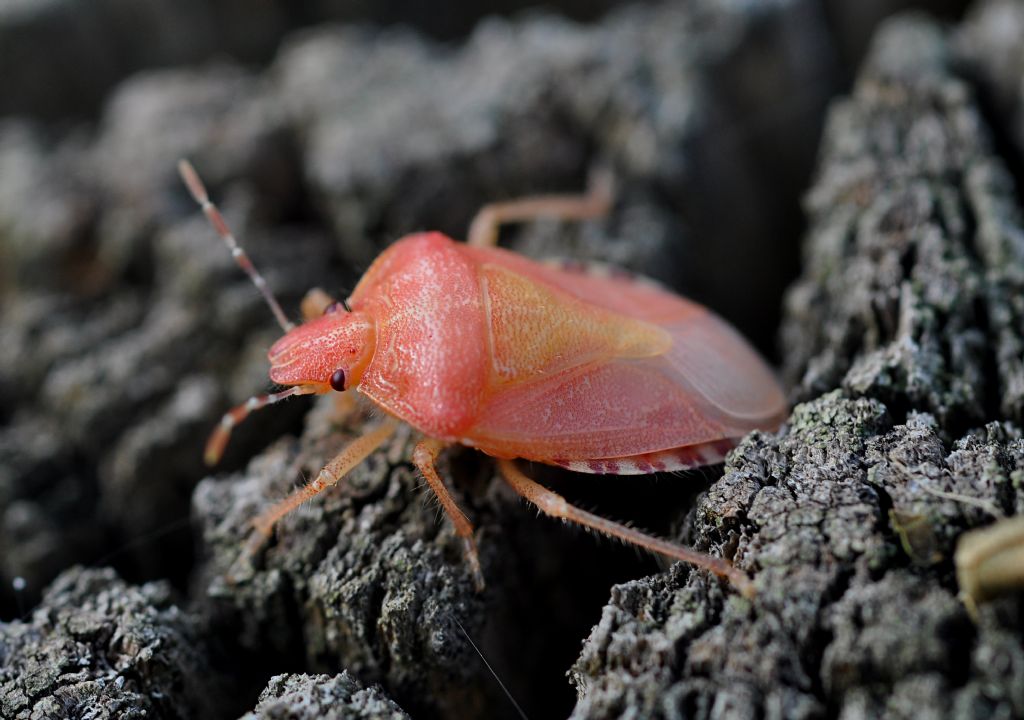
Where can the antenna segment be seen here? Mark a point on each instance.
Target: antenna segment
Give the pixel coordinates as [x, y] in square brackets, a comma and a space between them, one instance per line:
[198, 191]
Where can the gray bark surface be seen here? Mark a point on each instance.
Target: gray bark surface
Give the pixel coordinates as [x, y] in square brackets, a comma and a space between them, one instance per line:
[92, 46]
[364, 578]
[322, 697]
[99, 648]
[909, 304]
[372, 582]
[126, 331]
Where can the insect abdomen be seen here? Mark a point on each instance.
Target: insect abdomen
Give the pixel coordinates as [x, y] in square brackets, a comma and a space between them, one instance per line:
[674, 460]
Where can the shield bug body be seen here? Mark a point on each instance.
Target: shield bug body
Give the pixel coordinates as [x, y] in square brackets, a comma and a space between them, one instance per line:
[583, 367]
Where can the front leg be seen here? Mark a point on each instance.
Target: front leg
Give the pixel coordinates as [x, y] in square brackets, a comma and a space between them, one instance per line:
[350, 456]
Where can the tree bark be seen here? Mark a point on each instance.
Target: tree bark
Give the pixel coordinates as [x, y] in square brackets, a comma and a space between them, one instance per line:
[903, 338]
[126, 330]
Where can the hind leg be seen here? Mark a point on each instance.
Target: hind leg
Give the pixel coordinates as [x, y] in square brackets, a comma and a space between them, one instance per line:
[483, 231]
[553, 504]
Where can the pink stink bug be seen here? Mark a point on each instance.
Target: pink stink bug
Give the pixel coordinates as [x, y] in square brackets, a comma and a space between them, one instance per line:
[583, 367]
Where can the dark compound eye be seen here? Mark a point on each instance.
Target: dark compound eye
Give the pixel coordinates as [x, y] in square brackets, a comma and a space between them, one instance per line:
[338, 380]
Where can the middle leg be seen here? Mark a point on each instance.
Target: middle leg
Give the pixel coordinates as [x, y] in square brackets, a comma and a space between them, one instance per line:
[424, 456]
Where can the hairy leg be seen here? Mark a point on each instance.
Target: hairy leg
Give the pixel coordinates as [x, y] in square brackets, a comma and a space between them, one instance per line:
[553, 504]
[353, 454]
[483, 231]
[425, 456]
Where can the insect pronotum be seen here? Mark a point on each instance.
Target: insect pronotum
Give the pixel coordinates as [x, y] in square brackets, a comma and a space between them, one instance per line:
[583, 367]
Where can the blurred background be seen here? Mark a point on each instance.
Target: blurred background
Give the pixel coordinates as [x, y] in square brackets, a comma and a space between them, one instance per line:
[327, 129]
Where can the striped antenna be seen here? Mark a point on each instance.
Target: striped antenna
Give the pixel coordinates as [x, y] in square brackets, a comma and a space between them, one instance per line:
[219, 438]
[198, 190]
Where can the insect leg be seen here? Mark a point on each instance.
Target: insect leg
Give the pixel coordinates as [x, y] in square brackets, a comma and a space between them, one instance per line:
[315, 303]
[424, 456]
[553, 504]
[353, 454]
[483, 230]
